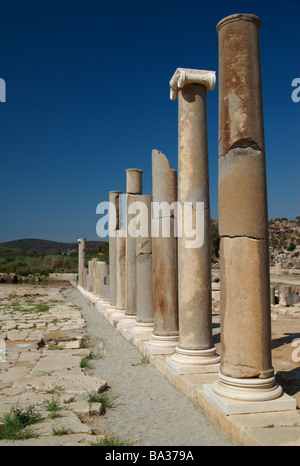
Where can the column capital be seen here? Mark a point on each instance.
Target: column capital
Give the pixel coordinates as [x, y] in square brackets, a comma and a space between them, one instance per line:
[183, 76]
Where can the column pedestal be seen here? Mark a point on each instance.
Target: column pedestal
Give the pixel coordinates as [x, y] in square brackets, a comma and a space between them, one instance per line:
[194, 362]
[242, 396]
[161, 344]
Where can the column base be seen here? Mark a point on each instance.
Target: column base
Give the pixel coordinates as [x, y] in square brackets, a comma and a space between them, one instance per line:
[242, 396]
[115, 316]
[109, 307]
[194, 361]
[161, 344]
[127, 321]
[142, 330]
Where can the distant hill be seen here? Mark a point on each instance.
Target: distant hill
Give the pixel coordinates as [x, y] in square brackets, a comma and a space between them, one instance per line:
[34, 244]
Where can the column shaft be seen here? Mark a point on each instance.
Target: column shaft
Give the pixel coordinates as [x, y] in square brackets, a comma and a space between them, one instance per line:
[195, 351]
[246, 372]
[121, 262]
[114, 220]
[133, 187]
[144, 263]
[164, 257]
[243, 216]
[81, 259]
[194, 263]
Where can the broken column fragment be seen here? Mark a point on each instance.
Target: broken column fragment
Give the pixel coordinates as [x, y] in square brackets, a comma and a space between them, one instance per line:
[164, 256]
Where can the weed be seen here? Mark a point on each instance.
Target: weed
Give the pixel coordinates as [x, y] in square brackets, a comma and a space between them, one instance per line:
[144, 360]
[103, 398]
[56, 389]
[61, 431]
[86, 362]
[54, 409]
[17, 421]
[42, 307]
[111, 441]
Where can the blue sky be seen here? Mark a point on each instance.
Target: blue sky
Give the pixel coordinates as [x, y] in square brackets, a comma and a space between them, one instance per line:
[88, 97]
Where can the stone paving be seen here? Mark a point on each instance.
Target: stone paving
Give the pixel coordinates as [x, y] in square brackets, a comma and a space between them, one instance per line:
[42, 342]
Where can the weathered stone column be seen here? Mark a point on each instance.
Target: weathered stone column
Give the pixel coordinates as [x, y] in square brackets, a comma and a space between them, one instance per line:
[84, 277]
[114, 220]
[285, 292]
[144, 281]
[94, 275]
[246, 371]
[121, 265]
[104, 278]
[89, 276]
[133, 188]
[81, 259]
[97, 279]
[164, 256]
[195, 351]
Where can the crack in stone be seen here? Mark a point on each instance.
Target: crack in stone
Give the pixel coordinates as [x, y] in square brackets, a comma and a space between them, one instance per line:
[244, 143]
[244, 236]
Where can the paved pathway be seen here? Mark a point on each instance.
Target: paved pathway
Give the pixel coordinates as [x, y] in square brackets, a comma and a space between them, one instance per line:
[148, 409]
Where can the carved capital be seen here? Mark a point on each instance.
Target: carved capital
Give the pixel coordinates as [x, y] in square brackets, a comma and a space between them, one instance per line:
[183, 76]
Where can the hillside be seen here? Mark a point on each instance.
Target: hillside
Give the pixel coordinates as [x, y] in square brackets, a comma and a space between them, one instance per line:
[34, 244]
[284, 238]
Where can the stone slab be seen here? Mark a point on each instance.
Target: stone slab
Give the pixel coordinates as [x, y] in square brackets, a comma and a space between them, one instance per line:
[229, 406]
[155, 350]
[192, 368]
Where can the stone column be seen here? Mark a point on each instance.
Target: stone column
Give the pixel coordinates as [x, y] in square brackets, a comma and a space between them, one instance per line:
[164, 256]
[89, 276]
[94, 276]
[121, 263]
[133, 188]
[144, 282]
[81, 259]
[246, 371]
[272, 295]
[195, 352]
[84, 277]
[114, 220]
[104, 276]
[97, 279]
